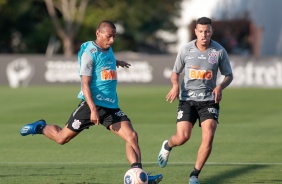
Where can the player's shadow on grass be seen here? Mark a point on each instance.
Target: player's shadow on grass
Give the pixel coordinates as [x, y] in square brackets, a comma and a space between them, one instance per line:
[222, 177]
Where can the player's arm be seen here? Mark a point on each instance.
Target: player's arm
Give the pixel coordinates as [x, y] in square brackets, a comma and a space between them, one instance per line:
[226, 81]
[218, 89]
[122, 64]
[86, 70]
[85, 85]
[174, 92]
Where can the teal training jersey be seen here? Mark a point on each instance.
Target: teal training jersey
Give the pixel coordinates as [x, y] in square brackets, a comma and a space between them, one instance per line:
[101, 66]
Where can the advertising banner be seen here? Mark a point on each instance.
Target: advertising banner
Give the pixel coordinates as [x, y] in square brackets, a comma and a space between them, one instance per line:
[29, 70]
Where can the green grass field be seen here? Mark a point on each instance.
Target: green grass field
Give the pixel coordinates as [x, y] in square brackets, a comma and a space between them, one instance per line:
[247, 146]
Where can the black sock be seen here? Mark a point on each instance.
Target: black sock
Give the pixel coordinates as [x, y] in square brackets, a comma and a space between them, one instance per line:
[39, 129]
[166, 146]
[195, 172]
[136, 165]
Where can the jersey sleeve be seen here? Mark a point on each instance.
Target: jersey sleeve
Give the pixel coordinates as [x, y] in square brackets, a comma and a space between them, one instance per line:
[179, 62]
[224, 64]
[86, 66]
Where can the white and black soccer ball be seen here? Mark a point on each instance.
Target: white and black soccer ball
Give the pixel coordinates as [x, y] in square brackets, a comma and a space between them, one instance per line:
[135, 176]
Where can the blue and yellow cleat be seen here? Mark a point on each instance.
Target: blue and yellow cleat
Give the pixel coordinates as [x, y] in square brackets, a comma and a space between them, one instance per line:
[33, 128]
[155, 179]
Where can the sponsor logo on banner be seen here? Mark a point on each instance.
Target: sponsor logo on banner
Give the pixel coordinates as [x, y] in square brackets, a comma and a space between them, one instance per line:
[139, 71]
[62, 71]
[19, 72]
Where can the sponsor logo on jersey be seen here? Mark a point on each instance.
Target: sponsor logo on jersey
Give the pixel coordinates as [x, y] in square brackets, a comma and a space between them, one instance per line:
[213, 111]
[200, 74]
[102, 98]
[93, 50]
[202, 57]
[212, 58]
[108, 74]
[191, 50]
[194, 94]
[190, 57]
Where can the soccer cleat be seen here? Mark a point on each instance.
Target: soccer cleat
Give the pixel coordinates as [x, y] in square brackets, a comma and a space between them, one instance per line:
[33, 128]
[194, 180]
[155, 179]
[163, 155]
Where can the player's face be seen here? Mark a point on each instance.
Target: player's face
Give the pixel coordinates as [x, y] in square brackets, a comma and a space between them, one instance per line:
[203, 33]
[105, 37]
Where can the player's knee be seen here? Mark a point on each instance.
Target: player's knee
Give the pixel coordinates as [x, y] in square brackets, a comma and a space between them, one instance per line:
[132, 137]
[62, 141]
[183, 139]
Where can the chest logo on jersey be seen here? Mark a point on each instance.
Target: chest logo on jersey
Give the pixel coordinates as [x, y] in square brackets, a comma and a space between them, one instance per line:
[202, 57]
[108, 74]
[200, 74]
[192, 50]
[93, 50]
[212, 58]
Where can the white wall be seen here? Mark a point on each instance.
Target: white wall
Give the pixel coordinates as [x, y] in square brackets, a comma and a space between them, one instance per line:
[264, 13]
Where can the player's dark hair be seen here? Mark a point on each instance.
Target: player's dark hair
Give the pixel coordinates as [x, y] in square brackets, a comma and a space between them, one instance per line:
[105, 23]
[204, 21]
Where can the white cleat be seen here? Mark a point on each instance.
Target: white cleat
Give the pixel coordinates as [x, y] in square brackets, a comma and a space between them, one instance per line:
[194, 180]
[163, 155]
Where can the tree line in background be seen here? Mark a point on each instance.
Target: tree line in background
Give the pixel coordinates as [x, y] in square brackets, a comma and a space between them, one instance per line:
[60, 26]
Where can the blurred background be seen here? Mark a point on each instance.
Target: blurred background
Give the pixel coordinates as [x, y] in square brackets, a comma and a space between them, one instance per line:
[40, 39]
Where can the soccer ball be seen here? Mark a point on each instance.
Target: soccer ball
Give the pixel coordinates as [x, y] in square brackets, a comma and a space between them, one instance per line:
[135, 176]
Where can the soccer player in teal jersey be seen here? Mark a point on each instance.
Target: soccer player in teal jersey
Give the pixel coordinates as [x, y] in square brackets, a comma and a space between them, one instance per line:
[99, 101]
[199, 94]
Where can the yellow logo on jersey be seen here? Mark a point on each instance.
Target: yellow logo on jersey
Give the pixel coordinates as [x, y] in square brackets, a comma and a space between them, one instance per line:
[108, 75]
[200, 74]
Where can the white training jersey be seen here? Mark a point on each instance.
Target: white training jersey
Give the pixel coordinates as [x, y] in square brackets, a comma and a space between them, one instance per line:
[200, 70]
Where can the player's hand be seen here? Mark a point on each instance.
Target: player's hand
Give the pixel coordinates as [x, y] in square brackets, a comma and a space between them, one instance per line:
[217, 92]
[172, 95]
[94, 118]
[122, 64]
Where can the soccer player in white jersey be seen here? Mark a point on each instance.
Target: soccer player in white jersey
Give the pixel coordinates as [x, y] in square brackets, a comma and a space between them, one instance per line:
[99, 101]
[199, 95]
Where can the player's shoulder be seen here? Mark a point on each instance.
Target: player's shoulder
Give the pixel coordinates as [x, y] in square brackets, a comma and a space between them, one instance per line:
[89, 47]
[190, 46]
[216, 45]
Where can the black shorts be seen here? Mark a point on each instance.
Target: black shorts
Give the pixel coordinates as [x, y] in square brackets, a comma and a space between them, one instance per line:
[80, 118]
[192, 110]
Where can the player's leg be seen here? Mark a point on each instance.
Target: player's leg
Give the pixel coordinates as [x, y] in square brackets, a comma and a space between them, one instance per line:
[182, 135]
[78, 121]
[125, 130]
[54, 132]
[208, 114]
[59, 135]
[186, 117]
[208, 132]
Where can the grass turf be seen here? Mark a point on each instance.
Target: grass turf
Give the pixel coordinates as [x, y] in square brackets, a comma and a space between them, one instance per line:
[247, 146]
